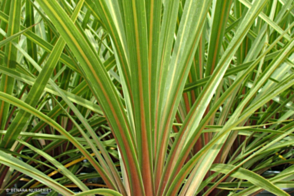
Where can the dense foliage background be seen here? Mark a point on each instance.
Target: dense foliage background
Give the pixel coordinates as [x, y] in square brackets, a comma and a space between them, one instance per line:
[146, 97]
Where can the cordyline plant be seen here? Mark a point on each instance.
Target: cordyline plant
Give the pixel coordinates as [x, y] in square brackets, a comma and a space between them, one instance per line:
[153, 97]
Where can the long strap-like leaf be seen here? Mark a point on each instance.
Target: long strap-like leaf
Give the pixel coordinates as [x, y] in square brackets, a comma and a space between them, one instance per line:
[31, 171]
[21, 120]
[7, 83]
[101, 86]
[194, 117]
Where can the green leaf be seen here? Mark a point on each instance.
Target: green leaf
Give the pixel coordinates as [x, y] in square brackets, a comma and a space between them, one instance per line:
[7, 83]
[101, 191]
[102, 88]
[20, 122]
[252, 177]
[58, 165]
[9, 39]
[31, 171]
[12, 100]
